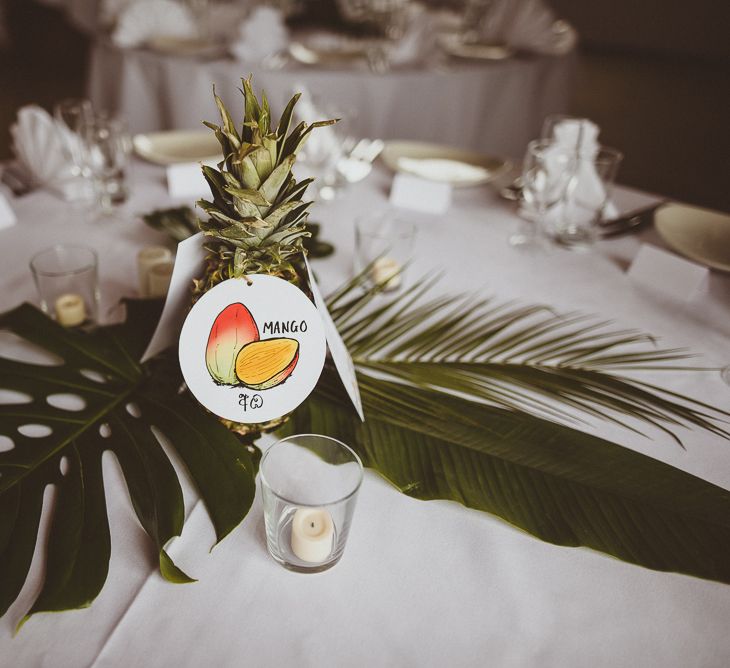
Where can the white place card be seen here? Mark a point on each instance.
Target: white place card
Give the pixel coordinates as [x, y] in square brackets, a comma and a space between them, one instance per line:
[189, 262]
[7, 215]
[417, 194]
[340, 355]
[667, 273]
[186, 180]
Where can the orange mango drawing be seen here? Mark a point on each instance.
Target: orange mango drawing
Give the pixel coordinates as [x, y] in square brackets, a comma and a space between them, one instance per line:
[233, 328]
[261, 365]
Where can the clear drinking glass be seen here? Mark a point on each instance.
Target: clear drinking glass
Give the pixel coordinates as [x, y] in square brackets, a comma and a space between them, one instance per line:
[68, 284]
[585, 198]
[310, 485]
[385, 244]
[72, 116]
[546, 173]
[325, 148]
[108, 145]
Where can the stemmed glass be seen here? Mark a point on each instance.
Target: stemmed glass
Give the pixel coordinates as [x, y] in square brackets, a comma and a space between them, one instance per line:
[546, 173]
[108, 147]
[72, 116]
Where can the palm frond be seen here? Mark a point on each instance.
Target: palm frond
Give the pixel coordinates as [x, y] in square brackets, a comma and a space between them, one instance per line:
[524, 358]
[559, 484]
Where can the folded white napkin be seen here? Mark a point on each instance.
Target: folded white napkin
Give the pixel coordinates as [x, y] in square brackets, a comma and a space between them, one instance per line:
[419, 39]
[43, 150]
[529, 25]
[142, 21]
[445, 170]
[586, 191]
[260, 36]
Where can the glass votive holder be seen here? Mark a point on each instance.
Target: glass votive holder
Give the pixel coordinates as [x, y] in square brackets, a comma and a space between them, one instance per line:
[310, 486]
[384, 245]
[67, 281]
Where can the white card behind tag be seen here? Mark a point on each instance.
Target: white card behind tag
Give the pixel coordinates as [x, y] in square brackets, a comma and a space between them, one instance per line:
[417, 194]
[188, 265]
[665, 272]
[186, 180]
[7, 215]
[340, 355]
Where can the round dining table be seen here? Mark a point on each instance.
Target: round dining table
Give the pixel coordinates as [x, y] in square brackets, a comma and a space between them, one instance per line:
[492, 106]
[421, 583]
[495, 107]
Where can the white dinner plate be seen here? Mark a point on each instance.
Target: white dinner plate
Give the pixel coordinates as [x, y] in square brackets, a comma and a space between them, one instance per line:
[442, 163]
[328, 49]
[185, 46]
[700, 234]
[452, 44]
[173, 146]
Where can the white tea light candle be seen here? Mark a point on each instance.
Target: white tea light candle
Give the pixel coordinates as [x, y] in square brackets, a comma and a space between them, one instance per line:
[146, 259]
[386, 271]
[312, 532]
[158, 279]
[70, 310]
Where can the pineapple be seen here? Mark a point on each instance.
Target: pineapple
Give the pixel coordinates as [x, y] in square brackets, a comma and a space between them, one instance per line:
[257, 219]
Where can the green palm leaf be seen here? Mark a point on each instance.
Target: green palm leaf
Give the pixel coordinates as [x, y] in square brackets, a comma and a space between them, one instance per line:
[464, 402]
[559, 484]
[124, 401]
[522, 358]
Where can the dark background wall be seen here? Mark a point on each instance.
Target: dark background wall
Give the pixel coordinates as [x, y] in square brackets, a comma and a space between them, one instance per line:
[654, 74]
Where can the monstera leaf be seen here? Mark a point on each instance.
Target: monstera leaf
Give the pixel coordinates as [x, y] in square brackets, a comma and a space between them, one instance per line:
[123, 401]
[463, 402]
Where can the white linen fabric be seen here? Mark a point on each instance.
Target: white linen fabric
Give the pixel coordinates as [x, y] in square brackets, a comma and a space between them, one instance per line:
[420, 583]
[261, 35]
[419, 40]
[491, 107]
[142, 21]
[527, 24]
[41, 146]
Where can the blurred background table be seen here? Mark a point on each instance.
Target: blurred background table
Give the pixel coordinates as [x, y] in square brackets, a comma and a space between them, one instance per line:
[495, 107]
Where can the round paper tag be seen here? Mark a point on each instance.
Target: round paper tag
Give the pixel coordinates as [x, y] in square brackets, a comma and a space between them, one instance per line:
[252, 352]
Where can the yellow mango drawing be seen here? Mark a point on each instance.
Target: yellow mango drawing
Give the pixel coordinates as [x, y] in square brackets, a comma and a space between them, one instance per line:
[261, 365]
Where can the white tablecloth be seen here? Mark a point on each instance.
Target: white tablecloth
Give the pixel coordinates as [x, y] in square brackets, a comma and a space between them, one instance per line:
[493, 107]
[420, 583]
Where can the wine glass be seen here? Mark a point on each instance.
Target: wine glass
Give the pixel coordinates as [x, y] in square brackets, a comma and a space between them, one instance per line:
[108, 148]
[585, 198]
[546, 173]
[72, 115]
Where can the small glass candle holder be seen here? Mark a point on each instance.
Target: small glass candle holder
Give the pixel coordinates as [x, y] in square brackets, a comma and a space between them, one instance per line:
[67, 282]
[385, 244]
[310, 485]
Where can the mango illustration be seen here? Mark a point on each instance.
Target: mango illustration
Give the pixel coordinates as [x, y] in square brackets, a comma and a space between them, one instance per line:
[233, 328]
[264, 364]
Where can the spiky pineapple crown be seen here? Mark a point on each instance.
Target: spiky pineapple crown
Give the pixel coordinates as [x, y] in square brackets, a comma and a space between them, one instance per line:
[257, 216]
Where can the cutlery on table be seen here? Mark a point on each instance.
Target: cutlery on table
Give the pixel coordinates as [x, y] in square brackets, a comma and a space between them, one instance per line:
[359, 162]
[629, 222]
